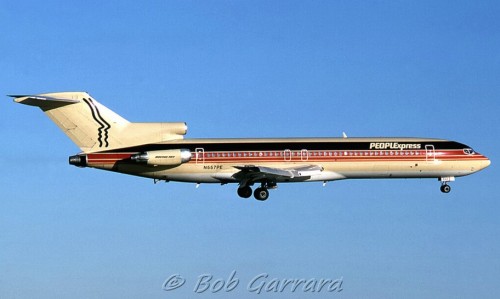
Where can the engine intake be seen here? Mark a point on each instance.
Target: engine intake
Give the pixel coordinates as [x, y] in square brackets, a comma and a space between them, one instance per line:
[173, 157]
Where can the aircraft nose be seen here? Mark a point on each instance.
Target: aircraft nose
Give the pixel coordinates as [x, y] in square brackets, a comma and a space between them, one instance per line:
[487, 163]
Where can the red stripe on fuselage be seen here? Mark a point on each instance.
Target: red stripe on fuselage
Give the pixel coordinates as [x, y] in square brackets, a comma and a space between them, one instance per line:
[312, 156]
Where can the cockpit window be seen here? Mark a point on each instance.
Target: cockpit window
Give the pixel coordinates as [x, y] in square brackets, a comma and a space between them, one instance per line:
[469, 151]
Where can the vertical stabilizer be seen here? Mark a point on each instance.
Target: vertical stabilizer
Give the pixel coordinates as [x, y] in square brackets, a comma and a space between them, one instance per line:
[89, 124]
[93, 127]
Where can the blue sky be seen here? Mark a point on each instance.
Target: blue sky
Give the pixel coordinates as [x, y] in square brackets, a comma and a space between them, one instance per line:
[250, 69]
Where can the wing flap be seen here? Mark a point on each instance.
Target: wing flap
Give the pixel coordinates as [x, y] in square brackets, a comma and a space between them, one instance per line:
[256, 172]
[265, 170]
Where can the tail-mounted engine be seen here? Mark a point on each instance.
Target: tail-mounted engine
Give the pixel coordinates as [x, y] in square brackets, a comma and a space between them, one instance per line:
[172, 157]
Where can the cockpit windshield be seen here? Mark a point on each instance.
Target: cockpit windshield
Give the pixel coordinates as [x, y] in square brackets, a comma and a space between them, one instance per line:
[469, 151]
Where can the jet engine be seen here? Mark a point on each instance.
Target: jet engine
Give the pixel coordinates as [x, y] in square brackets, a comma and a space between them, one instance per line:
[172, 157]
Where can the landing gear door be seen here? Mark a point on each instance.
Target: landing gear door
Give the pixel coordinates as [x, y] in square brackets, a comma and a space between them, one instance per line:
[200, 155]
[430, 153]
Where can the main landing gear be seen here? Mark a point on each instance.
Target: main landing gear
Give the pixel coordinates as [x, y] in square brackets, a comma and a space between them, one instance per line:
[245, 191]
[261, 193]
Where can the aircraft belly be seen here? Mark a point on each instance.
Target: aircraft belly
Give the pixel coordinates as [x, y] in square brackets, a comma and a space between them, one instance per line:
[414, 169]
[199, 173]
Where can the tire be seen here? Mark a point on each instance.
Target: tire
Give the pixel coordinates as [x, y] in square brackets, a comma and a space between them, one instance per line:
[245, 191]
[445, 188]
[261, 194]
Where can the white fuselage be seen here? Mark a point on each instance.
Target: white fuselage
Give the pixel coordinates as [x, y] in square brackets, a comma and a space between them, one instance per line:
[215, 160]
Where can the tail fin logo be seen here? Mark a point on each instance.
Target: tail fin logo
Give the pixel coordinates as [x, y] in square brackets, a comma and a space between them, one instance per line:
[104, 126]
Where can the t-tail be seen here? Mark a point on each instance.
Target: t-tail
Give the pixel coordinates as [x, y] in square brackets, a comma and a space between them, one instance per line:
[93, 127]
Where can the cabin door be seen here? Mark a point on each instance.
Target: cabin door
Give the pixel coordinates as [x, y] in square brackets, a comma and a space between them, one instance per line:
[304, 155]
[287, 155]
[200, 155]
[430, 153]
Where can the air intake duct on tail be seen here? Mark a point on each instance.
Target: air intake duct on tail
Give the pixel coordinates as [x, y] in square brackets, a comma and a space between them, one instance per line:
[174, 157]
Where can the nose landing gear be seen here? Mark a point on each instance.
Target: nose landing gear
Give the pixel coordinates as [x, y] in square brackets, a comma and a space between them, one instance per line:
[445, 188]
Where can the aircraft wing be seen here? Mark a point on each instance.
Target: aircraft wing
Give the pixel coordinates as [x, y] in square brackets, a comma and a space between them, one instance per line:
[252, 173]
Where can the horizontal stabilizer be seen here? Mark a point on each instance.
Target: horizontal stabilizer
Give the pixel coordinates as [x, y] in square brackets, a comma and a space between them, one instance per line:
[42, 101]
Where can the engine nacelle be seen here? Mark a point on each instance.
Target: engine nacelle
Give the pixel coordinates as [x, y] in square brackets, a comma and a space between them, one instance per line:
[172, 157]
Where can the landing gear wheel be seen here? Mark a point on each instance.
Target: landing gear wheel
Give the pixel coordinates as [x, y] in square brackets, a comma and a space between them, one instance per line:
[445, 188]
[261, 193]
[245, 191]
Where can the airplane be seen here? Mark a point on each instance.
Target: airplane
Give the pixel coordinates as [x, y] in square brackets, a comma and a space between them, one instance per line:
[159, 151]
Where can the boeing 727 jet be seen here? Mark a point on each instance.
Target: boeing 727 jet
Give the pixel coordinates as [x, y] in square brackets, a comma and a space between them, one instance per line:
[160, 152]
